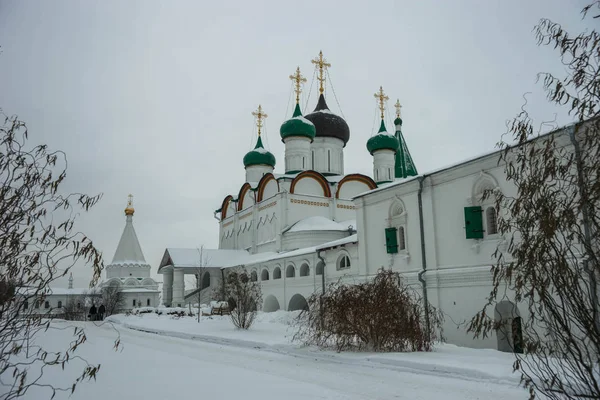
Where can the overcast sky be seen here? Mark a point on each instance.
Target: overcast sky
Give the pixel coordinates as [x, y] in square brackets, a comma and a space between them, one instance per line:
[155, 98]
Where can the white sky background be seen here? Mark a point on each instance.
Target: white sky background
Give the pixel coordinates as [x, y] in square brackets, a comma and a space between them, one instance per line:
[155, 98]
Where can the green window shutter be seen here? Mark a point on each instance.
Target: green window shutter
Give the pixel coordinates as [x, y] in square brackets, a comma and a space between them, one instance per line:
[391, 240]
[474, 222]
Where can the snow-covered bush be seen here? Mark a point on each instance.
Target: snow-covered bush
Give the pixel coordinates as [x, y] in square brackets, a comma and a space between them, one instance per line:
[379, 315]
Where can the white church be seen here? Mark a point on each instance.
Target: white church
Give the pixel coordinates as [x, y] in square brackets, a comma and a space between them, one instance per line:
[313, 224]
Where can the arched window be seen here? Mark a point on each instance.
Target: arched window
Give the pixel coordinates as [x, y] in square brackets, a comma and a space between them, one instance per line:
[47, 304]
[253, 276]
[25, 305]
[401, 239]
[319, 270]
[492, 223]
[59, 304]
[78, 306]
[148, 302]
[290, 271]
[304, 270]
[264, 275]
[343, 262]
[277, 273]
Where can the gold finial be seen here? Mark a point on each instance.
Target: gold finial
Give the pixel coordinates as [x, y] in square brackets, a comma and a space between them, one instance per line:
[398, 107]
[322, 64]
[298, 80]
[129, 210]
[260, 115]
[381, 98]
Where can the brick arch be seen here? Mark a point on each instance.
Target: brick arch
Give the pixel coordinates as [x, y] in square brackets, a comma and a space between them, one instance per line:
[262, 184]
[243, 190]
[225, 206]
[358, 178]
[316, 176]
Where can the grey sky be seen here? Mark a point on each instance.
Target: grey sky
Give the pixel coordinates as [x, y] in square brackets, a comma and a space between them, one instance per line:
[155, 98]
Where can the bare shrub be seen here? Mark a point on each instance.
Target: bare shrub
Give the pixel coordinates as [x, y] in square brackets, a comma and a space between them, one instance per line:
[113, 299]
[74, 309]
[244, 295]
[382, 314]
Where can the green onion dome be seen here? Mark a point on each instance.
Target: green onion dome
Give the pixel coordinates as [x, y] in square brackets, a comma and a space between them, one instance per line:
[398, 121]
[382, 140]
[259, 156]
[297, 126]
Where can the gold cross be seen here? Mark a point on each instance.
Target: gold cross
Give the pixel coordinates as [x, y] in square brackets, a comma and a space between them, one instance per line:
[322, 64]
[130, 200]
[298, 80]
[260, 115]
[382, 98]
[398, 107]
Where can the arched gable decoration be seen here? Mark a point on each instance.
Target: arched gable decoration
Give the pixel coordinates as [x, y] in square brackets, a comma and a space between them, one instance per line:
[397, 208]
[358, 178]
[225, 206]
[484, 182]
[243, 190]
[262, 184]
[314, 175]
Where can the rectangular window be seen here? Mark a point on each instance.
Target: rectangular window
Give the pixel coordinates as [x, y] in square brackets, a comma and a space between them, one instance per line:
[391, 240]
[134, 302]
[328, 160]
[313, 160]
[473, 222]
[303, 162]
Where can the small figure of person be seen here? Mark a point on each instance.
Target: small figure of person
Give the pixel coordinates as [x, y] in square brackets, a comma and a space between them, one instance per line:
[101, 311]
[93, 313]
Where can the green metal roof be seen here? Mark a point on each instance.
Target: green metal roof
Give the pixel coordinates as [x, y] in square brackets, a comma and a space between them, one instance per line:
[297, 126]
[259, 156]
[382, 140]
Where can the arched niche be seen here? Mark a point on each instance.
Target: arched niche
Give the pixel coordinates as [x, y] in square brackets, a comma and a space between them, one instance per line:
[310, 183]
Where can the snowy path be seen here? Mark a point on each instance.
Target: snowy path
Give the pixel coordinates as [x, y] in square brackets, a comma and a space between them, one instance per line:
[156, 367]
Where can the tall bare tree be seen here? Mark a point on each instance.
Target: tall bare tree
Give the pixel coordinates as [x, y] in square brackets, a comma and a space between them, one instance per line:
[552, 227]
[38, 245]
[197, 280]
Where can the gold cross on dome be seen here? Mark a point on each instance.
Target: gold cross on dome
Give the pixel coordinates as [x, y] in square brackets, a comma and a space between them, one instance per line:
[130, 200]
[381, 98]
[260, 115]
[322, 64]
[398, 107]
[298, 81]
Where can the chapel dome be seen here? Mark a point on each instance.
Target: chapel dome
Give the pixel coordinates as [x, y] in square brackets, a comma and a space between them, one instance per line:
[328, 124]
[382, 141]
[259, 156]
[297, 126]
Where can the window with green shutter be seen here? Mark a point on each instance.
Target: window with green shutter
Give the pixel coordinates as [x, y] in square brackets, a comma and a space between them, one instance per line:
[474, 222]
[391, 240]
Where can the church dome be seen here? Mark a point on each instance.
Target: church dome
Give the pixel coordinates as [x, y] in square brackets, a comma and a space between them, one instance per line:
[297, 126]
[259, 156]
[328, 124]
[382, 141]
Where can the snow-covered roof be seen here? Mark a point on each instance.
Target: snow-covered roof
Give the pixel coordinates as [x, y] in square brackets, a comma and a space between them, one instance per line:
[57, 291]
[138, 290]
[129, 250]
[317, 223]
[190, 258]
[265, 257]
[339, 242]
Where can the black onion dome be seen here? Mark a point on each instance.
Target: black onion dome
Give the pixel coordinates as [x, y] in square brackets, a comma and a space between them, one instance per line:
[328, 124]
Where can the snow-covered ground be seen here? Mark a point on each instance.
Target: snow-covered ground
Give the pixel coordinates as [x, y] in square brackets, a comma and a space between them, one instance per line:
[165, 358]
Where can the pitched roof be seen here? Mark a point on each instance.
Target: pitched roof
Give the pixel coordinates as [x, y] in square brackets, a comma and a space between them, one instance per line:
[129, 250]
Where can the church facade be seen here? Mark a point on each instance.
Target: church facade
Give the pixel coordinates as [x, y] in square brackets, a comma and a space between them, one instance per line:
[312, 225]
